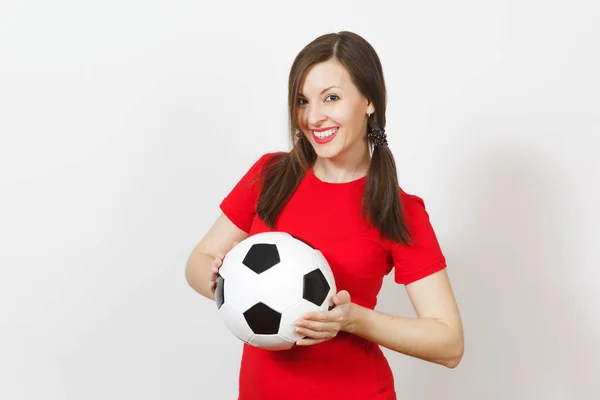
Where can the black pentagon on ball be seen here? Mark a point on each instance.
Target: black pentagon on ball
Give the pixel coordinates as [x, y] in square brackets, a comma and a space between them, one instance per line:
[262, 319]
[261, 257]
[220, 291]
[315, 287]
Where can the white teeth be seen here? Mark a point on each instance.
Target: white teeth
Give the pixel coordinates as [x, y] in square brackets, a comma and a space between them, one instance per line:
[325, 134]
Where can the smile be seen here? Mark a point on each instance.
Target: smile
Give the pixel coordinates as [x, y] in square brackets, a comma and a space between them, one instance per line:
[325, 136]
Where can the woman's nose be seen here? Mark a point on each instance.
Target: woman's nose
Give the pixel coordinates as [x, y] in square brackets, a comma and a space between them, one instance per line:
[316, 115]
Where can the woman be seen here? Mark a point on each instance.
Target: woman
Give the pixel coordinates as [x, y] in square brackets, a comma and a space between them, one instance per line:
[337, 190]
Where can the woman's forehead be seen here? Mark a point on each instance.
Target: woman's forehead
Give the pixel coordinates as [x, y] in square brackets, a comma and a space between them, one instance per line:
[324, 75]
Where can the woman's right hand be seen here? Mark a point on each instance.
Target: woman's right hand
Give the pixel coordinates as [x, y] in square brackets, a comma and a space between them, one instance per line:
[214, 270]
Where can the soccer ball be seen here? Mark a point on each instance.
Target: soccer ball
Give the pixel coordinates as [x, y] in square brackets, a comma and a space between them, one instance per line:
[266, 283]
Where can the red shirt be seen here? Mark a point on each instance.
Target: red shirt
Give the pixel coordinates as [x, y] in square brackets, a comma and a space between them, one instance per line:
[327, 217]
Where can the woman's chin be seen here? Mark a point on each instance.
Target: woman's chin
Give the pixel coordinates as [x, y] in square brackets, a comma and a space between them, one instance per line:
[327, 153]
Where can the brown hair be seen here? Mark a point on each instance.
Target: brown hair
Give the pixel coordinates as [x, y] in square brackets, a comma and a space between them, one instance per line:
[381, 205]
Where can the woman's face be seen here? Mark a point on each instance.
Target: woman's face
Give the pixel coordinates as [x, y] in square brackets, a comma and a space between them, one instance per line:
[331, 112]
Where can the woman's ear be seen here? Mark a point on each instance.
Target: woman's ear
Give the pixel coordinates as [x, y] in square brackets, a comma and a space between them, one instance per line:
[370, 108]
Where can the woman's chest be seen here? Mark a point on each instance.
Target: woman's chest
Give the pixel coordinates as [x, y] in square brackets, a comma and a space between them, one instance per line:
[351, 246]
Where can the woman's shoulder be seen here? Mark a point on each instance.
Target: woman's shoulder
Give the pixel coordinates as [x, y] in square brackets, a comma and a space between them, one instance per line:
[259, 163]
[410, 198]
[413, 206]
[266, 157]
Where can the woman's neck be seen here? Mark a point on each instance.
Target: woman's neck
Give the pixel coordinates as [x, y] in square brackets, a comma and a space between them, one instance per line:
[342, 168]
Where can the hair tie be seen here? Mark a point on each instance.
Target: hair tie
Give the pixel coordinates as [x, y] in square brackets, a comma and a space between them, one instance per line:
[378, 137]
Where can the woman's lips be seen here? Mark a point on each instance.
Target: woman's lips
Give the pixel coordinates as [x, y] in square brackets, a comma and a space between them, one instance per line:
[325, 140]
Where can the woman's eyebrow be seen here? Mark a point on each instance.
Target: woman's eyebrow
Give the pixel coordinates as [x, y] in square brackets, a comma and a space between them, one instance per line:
[324, 90]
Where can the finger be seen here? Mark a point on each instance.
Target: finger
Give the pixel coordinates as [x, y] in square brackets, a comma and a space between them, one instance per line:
[318, 330]
[316, 326]
[309, 342]
[342, 297]
[322, 316]
[326, 335]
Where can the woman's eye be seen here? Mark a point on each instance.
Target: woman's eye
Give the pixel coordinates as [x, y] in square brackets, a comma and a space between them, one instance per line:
[302, 101]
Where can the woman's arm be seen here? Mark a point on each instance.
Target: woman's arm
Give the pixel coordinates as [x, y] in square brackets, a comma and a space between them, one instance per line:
[219, 239]
[436, 334]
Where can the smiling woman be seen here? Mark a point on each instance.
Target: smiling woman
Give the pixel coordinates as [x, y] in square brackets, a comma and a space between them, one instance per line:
[339, 157]
[335, 112]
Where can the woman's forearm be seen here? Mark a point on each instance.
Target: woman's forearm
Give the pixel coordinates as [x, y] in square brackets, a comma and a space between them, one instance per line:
[197, 271]
[424, 338]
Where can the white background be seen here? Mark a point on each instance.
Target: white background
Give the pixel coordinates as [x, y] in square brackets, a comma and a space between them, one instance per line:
[124, 123]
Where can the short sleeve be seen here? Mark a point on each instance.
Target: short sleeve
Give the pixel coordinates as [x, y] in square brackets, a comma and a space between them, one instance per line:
[240, 204]
[423, 256]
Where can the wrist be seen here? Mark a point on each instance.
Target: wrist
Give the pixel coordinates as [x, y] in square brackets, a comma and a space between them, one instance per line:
[354, 318]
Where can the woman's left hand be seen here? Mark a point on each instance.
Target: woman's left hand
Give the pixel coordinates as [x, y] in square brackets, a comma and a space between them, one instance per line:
[320, 326]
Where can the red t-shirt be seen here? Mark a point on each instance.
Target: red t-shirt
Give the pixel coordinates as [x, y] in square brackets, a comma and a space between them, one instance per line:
[327, 217]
